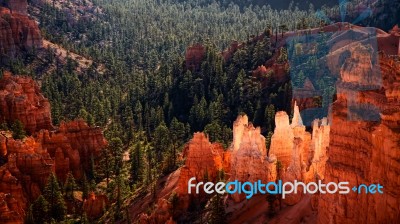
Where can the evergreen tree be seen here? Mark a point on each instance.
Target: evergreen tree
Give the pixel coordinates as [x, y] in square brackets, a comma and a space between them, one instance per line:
[85, 187]
[40, 210]
[70, 186]
[136, 161]
[52, 193]
[29, 219]
[177, 134]
[218, 214]
[269, 117]
[18, 130]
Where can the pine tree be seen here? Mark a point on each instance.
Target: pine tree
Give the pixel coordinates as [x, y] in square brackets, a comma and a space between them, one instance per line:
[177, 132]
[84, 219]
[85, 187]
[29, 216]
[18, 130]
[136, 161]
[269, 117]
[70, 186]
[52, 193]
[116, 148]
[218, 214]
[40, 210]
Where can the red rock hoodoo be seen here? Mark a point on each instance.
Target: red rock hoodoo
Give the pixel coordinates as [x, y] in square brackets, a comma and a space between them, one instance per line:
[18, 32]
[21, 99]
[302, 154]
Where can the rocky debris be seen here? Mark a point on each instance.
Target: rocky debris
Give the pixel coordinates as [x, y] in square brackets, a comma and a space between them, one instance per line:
[21, 99]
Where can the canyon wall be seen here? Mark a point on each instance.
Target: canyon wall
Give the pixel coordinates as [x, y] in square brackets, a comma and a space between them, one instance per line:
[364, 144]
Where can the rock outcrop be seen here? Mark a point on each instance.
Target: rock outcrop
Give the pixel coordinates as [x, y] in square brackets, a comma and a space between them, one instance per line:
[18, 32]
[12, 199]
[301, 155]
[95, 205]
[16, 6]
[194, 56]
[21, 99]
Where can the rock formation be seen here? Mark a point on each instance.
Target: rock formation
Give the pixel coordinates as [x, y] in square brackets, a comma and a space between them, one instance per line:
[10, 210]
[203, 160]
[30, 161]
[363, 151]
[248, 147]
[72, 145]
[302, 155]
[17, 31]
[21, 99]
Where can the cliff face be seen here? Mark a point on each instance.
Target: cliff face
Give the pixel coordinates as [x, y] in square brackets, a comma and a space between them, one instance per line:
[20, 99]
[17, 31]
[364, 150]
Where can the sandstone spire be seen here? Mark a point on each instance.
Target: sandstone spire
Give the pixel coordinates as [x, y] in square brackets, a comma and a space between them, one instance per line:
[296, 121]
